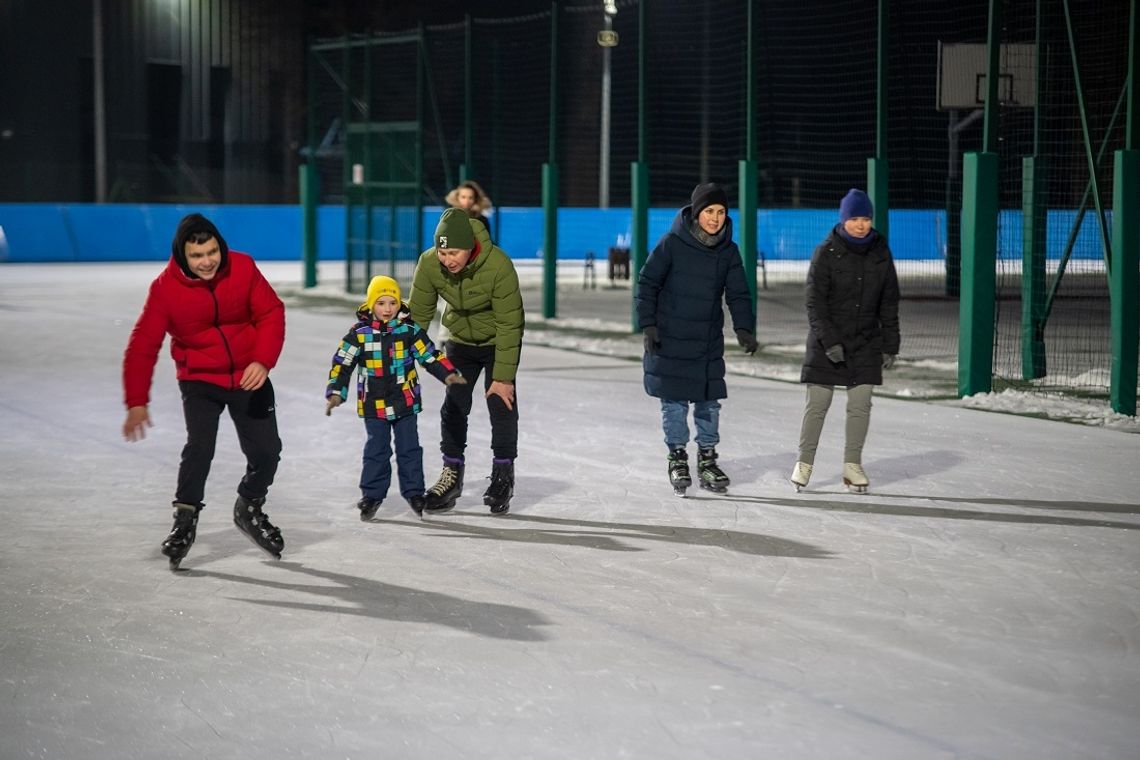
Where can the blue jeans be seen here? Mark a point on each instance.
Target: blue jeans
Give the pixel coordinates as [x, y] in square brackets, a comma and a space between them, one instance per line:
[376, 474]
[675, 422]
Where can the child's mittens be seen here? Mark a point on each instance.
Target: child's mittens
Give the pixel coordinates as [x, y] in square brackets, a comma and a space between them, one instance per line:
[332, 402]
[455, 379]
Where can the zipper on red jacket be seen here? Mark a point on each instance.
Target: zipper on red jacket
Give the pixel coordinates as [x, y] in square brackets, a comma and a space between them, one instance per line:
[218, 327]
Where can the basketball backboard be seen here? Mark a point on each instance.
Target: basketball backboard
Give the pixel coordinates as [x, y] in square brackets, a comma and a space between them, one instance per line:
[962, 75]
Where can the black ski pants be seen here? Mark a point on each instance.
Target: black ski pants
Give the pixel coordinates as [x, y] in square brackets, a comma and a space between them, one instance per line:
[255, 420]
[471, 361]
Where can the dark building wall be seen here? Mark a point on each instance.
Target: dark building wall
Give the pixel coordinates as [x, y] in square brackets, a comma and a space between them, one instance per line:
[203, 100]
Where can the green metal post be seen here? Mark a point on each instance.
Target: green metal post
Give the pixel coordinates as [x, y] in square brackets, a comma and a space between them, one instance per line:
[979, 236]
[1124, 282]
[349, 191]
[747, 168]
[639, 173]
[1033, 212]
[309, 200]
[878, 185]
[979, 260]
[418, 200]
[550, 186]
[310, 195]
[1033, 216]
[466, 169]
[369, 169]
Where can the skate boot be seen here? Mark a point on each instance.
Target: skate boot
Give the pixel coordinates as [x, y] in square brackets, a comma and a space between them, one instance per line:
[256, 526]
[441, 497]
[368, 507]
[712, 478]
[417, 504]
[498, 494]
[679, 474]
[177, 544]
[801, 474]
[855, 478]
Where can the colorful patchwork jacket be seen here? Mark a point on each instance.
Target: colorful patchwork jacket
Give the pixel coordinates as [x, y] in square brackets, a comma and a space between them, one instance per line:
[388, 386]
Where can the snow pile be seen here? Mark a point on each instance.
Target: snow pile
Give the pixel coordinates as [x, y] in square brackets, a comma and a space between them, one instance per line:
[1053, 406]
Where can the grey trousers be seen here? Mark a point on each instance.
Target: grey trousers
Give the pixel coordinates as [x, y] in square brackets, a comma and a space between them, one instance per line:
[858, 421]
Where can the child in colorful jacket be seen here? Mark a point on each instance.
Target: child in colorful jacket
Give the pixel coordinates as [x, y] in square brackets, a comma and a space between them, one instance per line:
[385, 345]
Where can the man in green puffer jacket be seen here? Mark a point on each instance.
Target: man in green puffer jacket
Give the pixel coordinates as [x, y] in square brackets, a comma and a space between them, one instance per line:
[484, 316]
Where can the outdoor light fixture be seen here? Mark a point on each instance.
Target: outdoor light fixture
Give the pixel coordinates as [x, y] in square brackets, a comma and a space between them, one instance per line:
[610, 7]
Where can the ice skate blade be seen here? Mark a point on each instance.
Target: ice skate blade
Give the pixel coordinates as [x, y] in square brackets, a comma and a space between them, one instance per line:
[440, 509]
[854, 488]
[252, 540]
[679, 492]
[174, 564]
[713, 489]
[798, 486]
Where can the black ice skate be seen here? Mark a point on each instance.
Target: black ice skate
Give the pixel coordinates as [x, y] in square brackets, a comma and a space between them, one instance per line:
[441, 497]
[679, 474]
[256, 526]
[498, 494]
[417, 504]
[712, 478]
[368, 507]
[177, 544]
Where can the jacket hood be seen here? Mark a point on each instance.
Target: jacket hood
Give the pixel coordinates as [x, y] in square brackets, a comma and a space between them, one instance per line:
[191, 225]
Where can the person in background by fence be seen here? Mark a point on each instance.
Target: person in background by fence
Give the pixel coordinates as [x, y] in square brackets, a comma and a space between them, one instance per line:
[484, 316]
[690, 274]
[853, 312]
[471, 198]
[227, 329]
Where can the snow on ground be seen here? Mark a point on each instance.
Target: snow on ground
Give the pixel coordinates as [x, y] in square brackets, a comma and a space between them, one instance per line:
[983, 601]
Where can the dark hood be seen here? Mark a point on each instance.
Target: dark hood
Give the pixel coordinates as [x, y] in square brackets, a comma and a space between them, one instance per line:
[684, 219]
[190, 225]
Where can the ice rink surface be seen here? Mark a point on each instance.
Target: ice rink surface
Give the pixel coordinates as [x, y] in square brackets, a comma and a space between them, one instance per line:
[983, 601]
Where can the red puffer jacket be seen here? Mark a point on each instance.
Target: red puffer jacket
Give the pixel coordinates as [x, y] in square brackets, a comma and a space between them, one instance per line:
[218, 327]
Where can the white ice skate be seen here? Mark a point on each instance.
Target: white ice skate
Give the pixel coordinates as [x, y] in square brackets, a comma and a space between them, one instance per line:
[855, 478]
[801, 474]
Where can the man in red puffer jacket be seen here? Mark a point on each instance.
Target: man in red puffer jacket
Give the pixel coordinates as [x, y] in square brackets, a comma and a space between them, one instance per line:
[227, 328]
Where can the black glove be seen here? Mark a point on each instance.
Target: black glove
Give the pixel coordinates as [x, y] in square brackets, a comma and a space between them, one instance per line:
[835, 354]
[747, 341]
[889, 360]
[651, 342]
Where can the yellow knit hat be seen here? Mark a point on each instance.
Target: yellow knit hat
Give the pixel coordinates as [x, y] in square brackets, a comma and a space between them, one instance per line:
[381, 285]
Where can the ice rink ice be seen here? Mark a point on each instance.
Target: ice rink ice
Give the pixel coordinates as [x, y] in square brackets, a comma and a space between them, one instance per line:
[983, 601]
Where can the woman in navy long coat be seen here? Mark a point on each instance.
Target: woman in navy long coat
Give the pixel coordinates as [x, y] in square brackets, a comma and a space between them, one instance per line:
[681, 291]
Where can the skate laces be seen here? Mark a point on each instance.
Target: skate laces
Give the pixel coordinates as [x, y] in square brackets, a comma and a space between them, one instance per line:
[854, 472]
[447, 479]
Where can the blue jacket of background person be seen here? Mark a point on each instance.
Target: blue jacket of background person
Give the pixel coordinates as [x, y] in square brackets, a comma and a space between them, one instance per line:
[682, 290]
[852, 296]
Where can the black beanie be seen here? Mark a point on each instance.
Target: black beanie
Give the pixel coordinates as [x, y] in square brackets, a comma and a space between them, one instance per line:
[706, 195]
[196, 225]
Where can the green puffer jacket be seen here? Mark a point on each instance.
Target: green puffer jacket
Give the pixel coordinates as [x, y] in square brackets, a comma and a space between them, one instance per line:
[484, 305]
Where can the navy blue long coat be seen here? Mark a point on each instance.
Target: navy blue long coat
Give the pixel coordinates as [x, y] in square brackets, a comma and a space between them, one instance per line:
[852, 300]
[682, 290]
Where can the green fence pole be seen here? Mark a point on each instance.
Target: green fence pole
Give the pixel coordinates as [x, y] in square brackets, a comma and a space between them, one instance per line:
[550, 186]
[748, 201]
[549, 240]
[639, 173]
[309, 197]
[878, 186]
[1124, 284]
[466, 169]
[979, 259]
[1032, 268]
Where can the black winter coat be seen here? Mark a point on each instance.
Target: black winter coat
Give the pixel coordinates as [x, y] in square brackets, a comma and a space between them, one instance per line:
[852, 300]
[682, 290]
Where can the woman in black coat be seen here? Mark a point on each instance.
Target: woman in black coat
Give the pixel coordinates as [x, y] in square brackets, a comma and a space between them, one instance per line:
[681, 291]
[853, 312]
